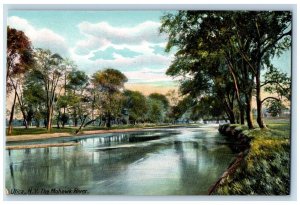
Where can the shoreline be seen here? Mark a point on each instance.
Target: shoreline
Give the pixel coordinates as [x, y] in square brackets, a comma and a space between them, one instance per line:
[33, 146]
[29, 137]
[241, 148]
[33, 137]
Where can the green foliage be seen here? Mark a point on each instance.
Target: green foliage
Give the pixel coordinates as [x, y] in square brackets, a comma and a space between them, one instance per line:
[277, 82]
[220, 54]
[108, 86]
[77, 80]
[155, 110]
[208, 107]
[109, 79]
[182, 107]
[160, 97]
[136, 105]
[266, 168]
[64, 118]
[275, 107]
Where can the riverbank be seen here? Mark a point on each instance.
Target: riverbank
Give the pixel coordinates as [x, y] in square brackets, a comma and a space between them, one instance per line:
[41, 145]
[28, 137]
[70, 132]
[261, 169]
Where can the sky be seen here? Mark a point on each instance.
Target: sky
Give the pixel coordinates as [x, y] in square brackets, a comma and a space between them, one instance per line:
[125, 40]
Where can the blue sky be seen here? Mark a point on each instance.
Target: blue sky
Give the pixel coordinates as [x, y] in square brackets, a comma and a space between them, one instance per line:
[125, 40]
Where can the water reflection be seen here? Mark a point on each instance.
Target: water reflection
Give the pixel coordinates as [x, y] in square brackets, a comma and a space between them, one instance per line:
[180, 162]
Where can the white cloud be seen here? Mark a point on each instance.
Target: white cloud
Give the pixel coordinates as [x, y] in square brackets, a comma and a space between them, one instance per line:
[147, 75]
[100, 35]
[84, 47]
[40, 38]
[122, 63]
[146, 31]
[141, 38]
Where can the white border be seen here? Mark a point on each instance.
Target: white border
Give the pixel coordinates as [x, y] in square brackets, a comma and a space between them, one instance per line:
[168, 4]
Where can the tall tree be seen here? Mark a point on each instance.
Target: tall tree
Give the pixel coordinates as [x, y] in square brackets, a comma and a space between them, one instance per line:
[77, 83]
[34, 98]
[18, 60]
[268, 33]
[109, 84]
[136, 104]
[155, 110]
[243, 41]
[48, 73]
[160, 97]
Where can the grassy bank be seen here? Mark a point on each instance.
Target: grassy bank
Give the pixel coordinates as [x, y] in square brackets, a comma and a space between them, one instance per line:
[266, 168]
[41, 145]
[71, 130]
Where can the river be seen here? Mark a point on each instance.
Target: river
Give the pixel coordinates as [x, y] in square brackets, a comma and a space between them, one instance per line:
[182, 161]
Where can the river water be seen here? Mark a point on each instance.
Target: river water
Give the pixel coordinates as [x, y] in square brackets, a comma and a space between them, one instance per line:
[183, 161]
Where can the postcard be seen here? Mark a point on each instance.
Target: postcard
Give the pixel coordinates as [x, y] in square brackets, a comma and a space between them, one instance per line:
[148, 102]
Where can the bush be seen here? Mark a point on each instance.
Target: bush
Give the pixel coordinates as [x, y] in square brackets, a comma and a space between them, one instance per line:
[266, 168]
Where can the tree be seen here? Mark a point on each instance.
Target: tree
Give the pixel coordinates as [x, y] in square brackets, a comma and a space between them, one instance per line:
[275, 107]
[243, 42]
[68, 66]
[18, 55]
[277, 82]
[207, 108]
[62, 103]
[183, 105]
[109, 84]
[173, 97]
[200, 62]
[268, 34]
[76, 87]
[136, 104]
[18, 60]
[33, 98]
[155, 110]
[48, 73]
[164, 100]
[160, 97]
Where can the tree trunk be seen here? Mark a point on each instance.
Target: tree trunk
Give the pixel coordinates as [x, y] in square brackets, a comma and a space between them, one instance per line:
[37, 123]
[11, 118]
[63, 124]
[231, 117]
[49, 118]
[75, 122]
[242, 117]
[75, 118]
[242, 114]
[58, 119]
[108, 121]
[22, 110]
[249, 116]
[81, 125]
[25, 121]
[29, 123]
[259, 118]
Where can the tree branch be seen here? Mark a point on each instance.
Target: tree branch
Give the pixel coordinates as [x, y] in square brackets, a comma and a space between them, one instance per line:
[275, 41]
[267, 98]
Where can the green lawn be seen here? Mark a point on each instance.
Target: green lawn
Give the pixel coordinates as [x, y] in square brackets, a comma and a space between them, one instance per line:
[266, 168]
[32, 131]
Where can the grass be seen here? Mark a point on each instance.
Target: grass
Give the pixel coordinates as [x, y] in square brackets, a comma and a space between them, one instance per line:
[266, 168]
[36, 131]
